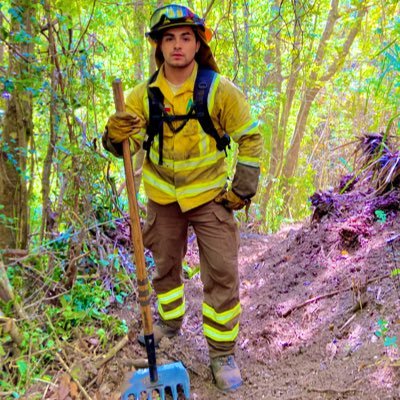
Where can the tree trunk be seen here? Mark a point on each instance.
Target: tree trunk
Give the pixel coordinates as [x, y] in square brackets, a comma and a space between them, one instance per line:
[140, 30]
[152, 66]
[140, 155]
[236, 54]
[16, 130]
[246, 46]
[1, 37]
[284, 102]
[272, 79]
[53, 117]
[313, 86]
[292, 154]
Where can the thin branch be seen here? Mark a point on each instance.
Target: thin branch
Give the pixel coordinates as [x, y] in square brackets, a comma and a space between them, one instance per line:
[326, 295]
[47, 299]
[67, 369]
[5, 18]
[86, 29]
[7, 294]
[333, 16]
[10, 326]
[209, 7]
[346, 47]
[15, 51]
[107, 357]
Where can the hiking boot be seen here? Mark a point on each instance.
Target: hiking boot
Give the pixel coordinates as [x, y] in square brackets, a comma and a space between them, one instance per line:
[226, 373]
[160, 330]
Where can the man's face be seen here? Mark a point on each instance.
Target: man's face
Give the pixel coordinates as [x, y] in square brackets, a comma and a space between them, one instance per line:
[179, 46]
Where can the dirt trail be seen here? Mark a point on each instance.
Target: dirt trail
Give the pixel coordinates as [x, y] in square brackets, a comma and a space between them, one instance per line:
[315, 297]
[321, 311]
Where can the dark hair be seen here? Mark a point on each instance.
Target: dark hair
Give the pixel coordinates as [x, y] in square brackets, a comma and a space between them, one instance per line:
[159, 35]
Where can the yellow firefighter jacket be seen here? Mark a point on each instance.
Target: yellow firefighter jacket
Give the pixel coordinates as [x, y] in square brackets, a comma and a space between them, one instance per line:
[194, 170]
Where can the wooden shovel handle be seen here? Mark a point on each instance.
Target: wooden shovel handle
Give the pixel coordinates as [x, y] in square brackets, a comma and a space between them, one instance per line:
[136, 232]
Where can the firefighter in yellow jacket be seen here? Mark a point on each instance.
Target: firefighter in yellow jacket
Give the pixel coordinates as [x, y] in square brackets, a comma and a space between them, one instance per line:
[185, 179]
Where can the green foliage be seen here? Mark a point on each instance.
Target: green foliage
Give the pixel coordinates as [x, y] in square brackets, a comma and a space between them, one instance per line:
[302, 187]
[4, 219]
[383, 328]
[83, 309]
[72, 98]
[380, 216]
[395, 272]
[382, 332]
[275, 217]
[86, 302]
[190, 271]
[97, 42]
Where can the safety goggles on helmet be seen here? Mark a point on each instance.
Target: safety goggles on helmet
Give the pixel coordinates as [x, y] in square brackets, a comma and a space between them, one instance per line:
[173, 15]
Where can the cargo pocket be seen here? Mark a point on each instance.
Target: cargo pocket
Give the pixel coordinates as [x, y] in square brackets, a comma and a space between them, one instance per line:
[223, 214]
[228, 225]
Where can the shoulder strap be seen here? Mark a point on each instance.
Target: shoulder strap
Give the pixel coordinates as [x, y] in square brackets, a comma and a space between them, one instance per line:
[202, 86]
[203, 83]
[155, 124]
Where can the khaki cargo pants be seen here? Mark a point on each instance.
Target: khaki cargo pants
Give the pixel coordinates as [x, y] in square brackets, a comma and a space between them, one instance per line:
[165, 233]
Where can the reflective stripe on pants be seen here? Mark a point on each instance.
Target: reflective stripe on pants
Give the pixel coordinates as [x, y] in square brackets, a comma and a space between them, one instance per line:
[165, 234]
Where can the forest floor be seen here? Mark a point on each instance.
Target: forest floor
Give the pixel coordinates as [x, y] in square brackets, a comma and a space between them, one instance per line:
[321, 312]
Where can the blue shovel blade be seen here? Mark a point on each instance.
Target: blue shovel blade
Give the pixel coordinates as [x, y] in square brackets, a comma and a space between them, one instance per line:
[169, 376]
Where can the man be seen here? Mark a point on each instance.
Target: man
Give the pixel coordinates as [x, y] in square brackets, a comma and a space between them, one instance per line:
[185, 180]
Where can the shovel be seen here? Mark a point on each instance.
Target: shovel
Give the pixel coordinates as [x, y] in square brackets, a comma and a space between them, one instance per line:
[154, 380]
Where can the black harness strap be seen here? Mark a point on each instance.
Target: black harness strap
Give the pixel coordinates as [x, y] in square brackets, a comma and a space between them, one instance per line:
[203, 83]
[199, 110]
[155, 126]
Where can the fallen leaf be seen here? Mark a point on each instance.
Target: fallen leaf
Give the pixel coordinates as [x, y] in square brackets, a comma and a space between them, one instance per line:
[64, 387]
[74, 392]
[331, 350]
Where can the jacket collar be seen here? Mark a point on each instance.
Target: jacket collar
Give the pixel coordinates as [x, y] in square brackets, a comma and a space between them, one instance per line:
[162, 83]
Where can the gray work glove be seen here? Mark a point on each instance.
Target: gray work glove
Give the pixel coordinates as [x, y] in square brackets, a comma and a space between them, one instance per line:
[245, 181]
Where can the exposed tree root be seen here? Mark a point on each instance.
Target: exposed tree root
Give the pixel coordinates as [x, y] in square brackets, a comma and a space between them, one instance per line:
[326, 295]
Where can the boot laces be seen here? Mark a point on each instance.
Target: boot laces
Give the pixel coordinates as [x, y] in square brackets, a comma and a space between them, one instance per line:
[227, 361]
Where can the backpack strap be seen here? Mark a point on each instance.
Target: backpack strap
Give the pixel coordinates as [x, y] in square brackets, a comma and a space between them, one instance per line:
[203, 83]
[155, 125]
[199, 111]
